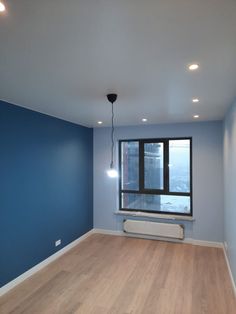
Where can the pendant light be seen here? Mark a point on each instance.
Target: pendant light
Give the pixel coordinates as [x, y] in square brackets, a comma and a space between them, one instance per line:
[2, 7]
[112, 172]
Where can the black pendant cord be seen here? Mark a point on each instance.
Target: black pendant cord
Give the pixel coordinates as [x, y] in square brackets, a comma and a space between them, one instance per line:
[112, 98]
[112, 136]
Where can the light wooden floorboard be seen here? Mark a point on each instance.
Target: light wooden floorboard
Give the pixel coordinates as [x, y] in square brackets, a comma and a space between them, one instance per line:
[120, 275]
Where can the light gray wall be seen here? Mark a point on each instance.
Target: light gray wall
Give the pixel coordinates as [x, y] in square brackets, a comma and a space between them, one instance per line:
[207, 176]
[230, 185]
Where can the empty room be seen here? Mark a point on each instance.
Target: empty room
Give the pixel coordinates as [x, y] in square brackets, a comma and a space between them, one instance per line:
[117, 157]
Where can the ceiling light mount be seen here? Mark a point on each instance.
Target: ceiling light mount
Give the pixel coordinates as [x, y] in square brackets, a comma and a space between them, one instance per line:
[112, 98]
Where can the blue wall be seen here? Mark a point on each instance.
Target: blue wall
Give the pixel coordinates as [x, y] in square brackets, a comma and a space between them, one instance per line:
[230, 186]
[207, 176]
[46, 188]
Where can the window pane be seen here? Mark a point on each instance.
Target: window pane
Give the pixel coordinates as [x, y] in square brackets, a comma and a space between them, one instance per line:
[179, 165]
[130, 165]
[160, 203]
[153, 165]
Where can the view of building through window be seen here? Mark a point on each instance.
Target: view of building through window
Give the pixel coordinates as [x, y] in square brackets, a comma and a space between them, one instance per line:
[153, 165]
[155, 175]
[130, 166]
[179, 165]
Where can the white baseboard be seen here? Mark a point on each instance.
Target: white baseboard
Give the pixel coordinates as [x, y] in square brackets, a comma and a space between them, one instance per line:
[109, 232]
[186, 240]
[205, 243]
[225, 248]
[12, 284]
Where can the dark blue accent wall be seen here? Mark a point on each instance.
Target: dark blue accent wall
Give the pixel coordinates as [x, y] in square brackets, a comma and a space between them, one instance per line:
[46, 187]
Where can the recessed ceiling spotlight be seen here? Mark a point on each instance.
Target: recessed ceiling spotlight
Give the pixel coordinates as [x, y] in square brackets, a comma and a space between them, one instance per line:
[99, 122]
[196, 116]
[195, 100]
[144, 120]
[193, 67]
[2, 7]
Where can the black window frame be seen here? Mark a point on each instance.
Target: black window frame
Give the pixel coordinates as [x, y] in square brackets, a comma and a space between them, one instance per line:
[165, 190]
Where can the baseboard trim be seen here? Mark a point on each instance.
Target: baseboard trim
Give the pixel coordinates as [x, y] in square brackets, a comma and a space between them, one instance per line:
[206, 243]
[225, 249]
[109, 232]
[186, 240]
[12, 284]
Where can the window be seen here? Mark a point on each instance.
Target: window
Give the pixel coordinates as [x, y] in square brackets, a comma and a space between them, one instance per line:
[155, 175]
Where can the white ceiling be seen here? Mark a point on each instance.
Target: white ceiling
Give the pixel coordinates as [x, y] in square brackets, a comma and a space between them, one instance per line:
[62, 58]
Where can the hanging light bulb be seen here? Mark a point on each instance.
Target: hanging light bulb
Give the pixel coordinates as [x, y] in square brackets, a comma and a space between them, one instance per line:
[2, 7]
[112, 172]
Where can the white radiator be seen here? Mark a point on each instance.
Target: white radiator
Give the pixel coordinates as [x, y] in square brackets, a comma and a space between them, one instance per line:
[154, 229]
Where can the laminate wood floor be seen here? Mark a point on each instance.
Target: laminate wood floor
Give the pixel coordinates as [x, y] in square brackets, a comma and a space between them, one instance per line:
[120, 275]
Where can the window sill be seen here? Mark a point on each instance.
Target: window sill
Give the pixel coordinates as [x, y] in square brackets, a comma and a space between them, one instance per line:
[150, 215]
